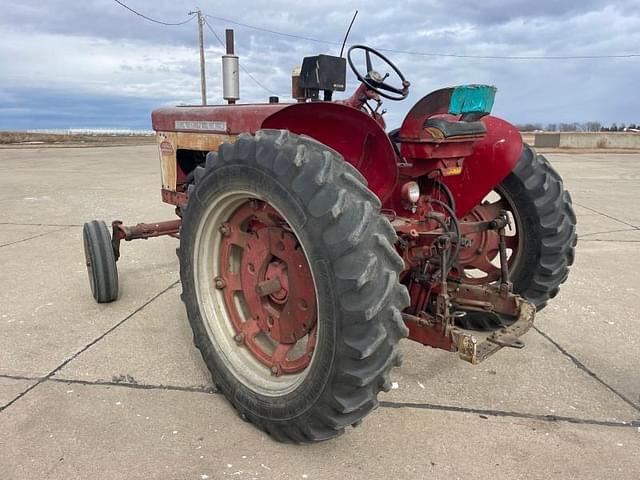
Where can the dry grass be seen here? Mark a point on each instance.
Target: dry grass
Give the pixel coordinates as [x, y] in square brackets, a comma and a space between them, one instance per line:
[50, 139]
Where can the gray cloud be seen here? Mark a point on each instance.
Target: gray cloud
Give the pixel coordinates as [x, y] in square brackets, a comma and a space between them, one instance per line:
[96, 47]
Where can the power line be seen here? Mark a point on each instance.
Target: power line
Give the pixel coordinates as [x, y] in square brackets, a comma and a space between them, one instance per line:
[432, 54]
[274, 32]
[241, 66]
[388, 50]
[511, 57]
[191, 17]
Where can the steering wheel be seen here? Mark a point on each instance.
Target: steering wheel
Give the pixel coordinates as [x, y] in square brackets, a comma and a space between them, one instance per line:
[374, 80]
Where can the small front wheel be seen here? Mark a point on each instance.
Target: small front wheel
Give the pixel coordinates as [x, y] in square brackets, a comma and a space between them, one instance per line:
[100, 261]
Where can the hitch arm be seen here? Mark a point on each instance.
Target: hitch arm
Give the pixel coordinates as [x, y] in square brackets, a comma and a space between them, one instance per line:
[428, 330]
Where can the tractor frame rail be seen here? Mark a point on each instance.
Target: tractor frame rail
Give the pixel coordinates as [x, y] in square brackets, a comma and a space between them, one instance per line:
[142, 230]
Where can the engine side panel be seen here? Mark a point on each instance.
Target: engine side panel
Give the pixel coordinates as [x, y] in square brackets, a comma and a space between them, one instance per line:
[169, 143]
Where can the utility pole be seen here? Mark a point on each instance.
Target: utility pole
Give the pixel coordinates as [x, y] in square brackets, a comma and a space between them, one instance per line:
[203, 80]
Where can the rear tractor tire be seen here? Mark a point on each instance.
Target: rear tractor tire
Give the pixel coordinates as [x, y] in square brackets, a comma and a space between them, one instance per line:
[100, 261]
[290, 282]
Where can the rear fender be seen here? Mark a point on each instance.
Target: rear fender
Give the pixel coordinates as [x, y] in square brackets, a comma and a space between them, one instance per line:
[493, 158]
[350, 132]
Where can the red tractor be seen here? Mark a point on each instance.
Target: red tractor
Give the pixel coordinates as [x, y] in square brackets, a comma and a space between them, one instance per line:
[312, 240]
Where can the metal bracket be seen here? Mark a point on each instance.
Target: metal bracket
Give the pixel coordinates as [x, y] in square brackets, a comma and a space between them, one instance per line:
[506, 340]
[507, 336]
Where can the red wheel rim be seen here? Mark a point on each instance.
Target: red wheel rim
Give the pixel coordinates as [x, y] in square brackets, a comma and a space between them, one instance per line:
[267, 287]
[480, 261]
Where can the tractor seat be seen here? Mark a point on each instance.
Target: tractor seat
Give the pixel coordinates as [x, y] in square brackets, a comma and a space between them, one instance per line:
[441, 128]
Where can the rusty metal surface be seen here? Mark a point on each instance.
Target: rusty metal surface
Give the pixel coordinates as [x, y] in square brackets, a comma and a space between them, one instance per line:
[506, 335]
[273, 279]
[431, 332]
[141, 230]
[220, 119]
[458, 298]
[178, 199]
[170, 143]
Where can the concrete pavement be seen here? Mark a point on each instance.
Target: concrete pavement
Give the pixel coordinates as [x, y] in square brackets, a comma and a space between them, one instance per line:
[119, 391]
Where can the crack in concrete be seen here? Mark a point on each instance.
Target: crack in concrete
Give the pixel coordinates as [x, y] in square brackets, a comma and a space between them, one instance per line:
[609, 241]
[32, 237]
[107, 383]
[635, 227]
[212, 390]
[586, 369]
[507, 413]
[15, 224]
[67, 360]
[140, 386]
[608, 231]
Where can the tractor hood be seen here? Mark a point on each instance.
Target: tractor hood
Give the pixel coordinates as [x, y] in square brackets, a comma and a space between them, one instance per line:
[225, 119]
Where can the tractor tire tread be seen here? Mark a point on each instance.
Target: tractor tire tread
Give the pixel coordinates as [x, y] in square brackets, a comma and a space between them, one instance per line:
[365, 269]
[538, 189]
[103, 271]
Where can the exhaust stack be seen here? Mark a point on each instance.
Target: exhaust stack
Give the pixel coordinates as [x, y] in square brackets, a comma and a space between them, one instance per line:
[230, 71]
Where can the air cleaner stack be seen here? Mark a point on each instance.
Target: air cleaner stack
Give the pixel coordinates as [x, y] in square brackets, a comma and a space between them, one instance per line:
[230, 71]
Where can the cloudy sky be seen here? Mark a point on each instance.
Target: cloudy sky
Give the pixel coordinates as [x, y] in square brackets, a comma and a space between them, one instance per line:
[91, 63]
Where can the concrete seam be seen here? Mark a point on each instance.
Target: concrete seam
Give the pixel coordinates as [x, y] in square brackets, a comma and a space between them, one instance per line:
[140, 386]
[506, 413]
[608, 231]
[586, 369]
[32, 237]
[212, 390]
[609, 241]
[635, 227]
[87, 346]
[15, 224]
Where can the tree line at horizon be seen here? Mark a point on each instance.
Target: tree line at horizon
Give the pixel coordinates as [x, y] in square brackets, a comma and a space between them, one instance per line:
[577, 127]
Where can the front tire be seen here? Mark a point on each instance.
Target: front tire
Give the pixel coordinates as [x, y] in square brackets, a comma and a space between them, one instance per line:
[305, 194]
[100, 261]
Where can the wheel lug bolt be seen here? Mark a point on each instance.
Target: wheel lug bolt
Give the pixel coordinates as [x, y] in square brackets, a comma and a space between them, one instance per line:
[275, 370]
[219, 283]
[225, 230]
[239, 338]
